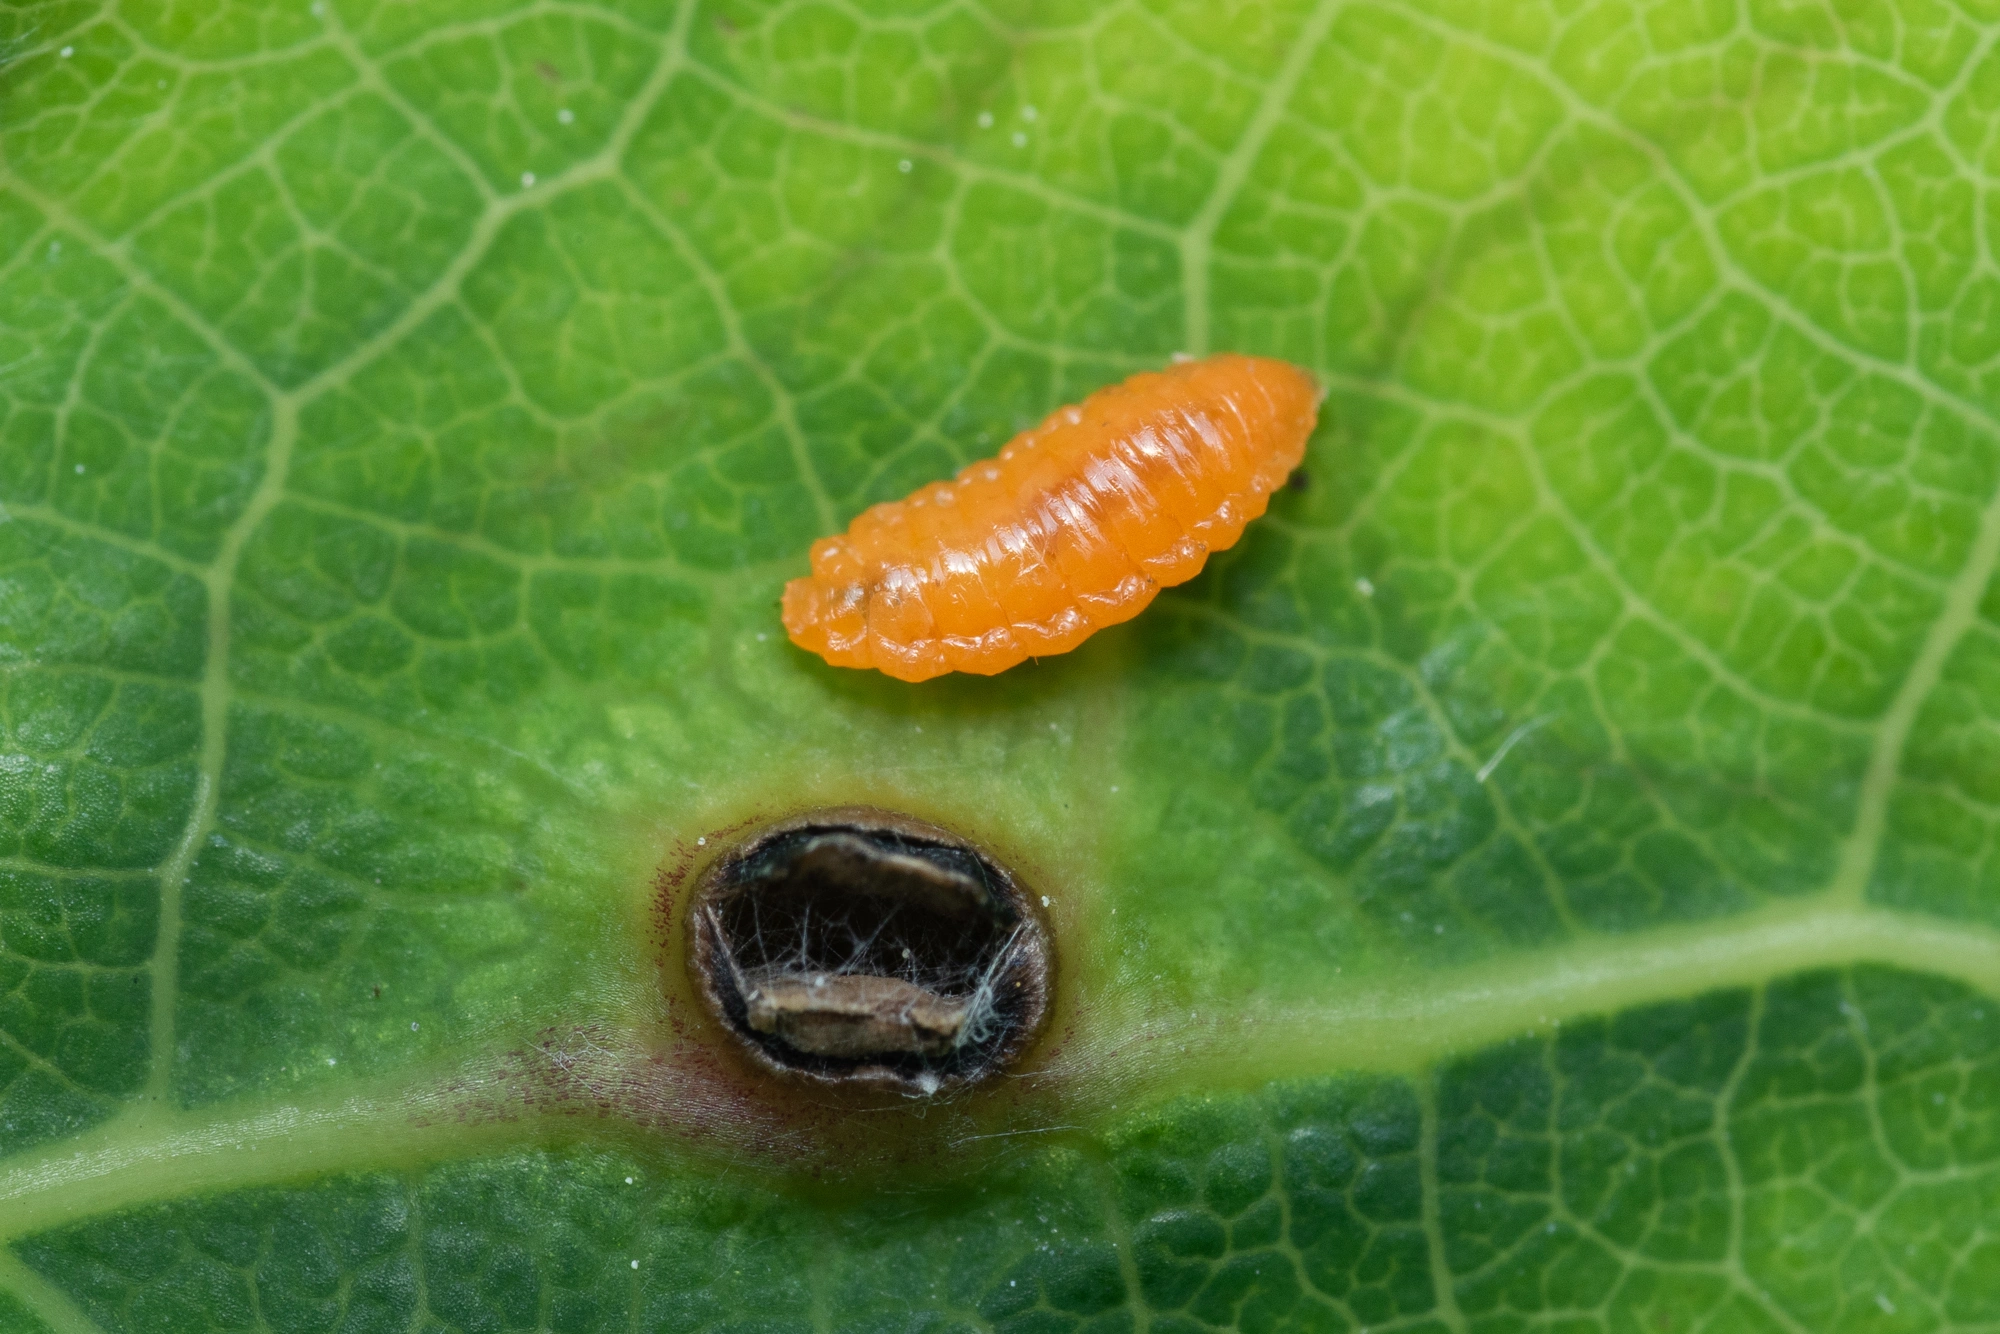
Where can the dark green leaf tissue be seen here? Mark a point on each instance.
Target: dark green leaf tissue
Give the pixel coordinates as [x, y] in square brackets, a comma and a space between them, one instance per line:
[1545, 877]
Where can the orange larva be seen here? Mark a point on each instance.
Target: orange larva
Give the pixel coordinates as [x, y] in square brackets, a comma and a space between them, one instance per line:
[1077, 525]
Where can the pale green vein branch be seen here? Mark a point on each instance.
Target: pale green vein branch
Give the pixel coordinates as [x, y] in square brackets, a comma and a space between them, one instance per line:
[929, 429]
[128, 1162]
[1444, 1293]
[1930, 125]
[370, 74]
[1725, 1141]
[1869, 1096]
[49, 1303]
[119, 254]
[110, 537]
[1119, 1232]
[1458, 748]
[263, 157]
[518, 393]
[527, 562]
[1699, 215]
[93, 341]
[1197, 239]
[94, 875]
[220, 576]
[9, 1042]
[942, 155]
[182, 63]
[497, 25]
[1738, 1274]
[1404, 1027]
[739, 343]
[1506, 820]
[1892, 736]
[214, 746]
[1636, 602]
[445, 289]
[1286, 1243]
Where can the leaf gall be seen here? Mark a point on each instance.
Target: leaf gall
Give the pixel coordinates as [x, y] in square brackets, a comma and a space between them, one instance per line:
[855, 946]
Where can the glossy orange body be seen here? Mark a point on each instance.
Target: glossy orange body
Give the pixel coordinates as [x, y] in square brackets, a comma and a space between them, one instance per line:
[1077, 524]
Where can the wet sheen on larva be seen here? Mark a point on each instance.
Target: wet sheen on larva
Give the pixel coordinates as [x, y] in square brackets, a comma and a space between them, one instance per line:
[1077, 525]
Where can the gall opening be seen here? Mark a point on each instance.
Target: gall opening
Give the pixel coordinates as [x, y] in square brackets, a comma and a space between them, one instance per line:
[861, 947]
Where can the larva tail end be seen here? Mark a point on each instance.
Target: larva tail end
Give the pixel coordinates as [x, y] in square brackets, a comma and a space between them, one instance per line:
[830, 621]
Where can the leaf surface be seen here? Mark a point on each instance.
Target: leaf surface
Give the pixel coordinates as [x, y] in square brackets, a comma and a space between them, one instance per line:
[1547, 876]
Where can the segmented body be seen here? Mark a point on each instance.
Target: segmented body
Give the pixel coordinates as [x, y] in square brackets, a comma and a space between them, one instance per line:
[1077, 525]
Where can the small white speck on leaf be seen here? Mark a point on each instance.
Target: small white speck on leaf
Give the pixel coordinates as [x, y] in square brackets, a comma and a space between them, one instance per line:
[1882, 1300]
[1114, 787]
[565, 117]
[1028, 112]
[527, 179]
[701, 842]
[79, 470]
[1364, 587]
[1020, 139]
[628, 1181]
[1045, 900]
[761, 636]
[635, 1264]
[329, 1060]
[413, 1025]
[985, 117]
[68, 51]
[905, 166]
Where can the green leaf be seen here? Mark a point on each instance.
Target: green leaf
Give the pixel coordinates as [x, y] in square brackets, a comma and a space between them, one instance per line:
[1547, 876]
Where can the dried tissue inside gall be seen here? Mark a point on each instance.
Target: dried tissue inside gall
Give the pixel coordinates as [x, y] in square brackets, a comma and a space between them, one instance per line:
[855, 946]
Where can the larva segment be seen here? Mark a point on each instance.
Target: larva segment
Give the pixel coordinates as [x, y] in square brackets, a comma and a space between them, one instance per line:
[1076, 525]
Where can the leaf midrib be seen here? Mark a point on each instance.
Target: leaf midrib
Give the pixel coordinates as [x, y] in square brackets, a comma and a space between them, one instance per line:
[147, 1154]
